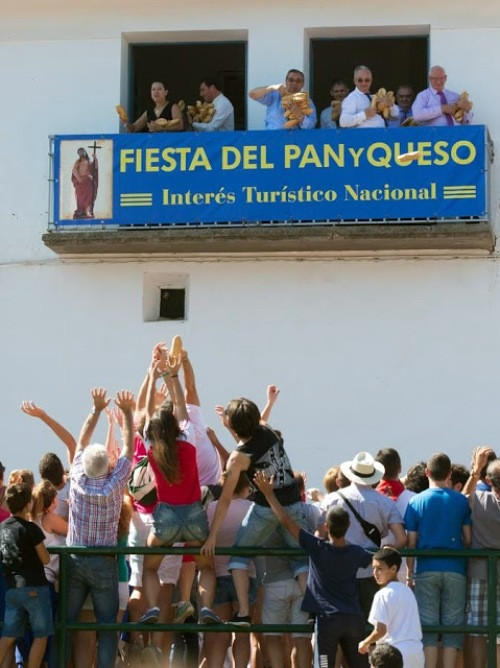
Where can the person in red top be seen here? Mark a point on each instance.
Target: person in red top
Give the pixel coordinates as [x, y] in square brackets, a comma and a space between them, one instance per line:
[179, 515]
[390, 485]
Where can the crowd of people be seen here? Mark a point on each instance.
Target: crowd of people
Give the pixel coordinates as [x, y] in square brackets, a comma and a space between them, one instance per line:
[171, 482]
[434, 106]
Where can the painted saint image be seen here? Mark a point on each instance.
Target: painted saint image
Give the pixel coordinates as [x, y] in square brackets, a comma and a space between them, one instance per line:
[85, 179]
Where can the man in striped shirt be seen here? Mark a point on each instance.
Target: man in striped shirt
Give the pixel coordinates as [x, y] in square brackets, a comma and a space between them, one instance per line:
[95, 502]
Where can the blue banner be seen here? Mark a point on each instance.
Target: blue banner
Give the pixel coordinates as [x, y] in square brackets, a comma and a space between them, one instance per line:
[313, 175]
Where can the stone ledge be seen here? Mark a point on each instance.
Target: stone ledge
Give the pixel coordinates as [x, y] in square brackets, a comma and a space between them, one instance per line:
[402, 239]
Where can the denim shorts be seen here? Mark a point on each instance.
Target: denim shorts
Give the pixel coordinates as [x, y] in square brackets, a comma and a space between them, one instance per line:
[441, 600]
[226, 593]
[175, 524]
[259, 524]
[28, 604]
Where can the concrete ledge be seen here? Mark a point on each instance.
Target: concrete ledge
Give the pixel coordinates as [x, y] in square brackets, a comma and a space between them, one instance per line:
[371, 239]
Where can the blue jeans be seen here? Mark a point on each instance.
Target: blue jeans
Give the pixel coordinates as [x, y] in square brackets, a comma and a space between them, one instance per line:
[259, 524]
[441, 600]
[184, 523]
[28, 604]
[97, 575]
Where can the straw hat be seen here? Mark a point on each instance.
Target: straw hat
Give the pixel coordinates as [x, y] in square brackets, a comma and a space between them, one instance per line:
[363, 469]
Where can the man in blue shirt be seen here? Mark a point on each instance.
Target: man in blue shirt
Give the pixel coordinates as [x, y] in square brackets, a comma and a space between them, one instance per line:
[439, 517]
[270, 96]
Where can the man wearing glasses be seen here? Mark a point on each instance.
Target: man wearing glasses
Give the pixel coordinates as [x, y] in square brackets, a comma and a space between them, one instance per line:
[270, 96]
[437, 105]
[356, 108]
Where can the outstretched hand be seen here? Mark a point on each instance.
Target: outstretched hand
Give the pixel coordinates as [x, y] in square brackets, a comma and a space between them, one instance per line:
[32, 409]
[159, 352]
[272, 393]
[118, 416]
[125, 401]
[174, 364]
[99, 398]
[480, 457]
[314, 494]
[221, 412]
[263, 483]
[157, 368]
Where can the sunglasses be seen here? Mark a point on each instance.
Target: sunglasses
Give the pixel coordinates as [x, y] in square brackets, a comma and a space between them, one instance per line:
[363, 80]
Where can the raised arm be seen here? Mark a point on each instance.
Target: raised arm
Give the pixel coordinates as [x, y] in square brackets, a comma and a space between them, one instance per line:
[155, 371]
[479, 461]
[237, 463]
[156, 354]
[189, 380]
[61, 432]
[272, 396]
[261, 91]
[221, 450]
[126, 402]
[265, 485]
[99, 404]
[220, 410]
[180, 400]
[111, 444]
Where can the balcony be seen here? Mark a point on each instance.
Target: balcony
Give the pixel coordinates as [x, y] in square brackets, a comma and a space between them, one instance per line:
[295, 193]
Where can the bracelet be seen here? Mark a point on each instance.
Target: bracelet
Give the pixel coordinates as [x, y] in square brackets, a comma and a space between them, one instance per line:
[166, 374]
[475, 474]
[176, 376]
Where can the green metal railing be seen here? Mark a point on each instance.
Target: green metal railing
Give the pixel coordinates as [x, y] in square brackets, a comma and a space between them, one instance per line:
[62, 626]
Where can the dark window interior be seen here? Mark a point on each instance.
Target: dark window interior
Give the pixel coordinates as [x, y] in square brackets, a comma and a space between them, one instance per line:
[392, 60]
[183, 66]
[172, 303]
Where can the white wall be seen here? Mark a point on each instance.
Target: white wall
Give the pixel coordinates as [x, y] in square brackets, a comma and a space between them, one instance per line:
[368, 354]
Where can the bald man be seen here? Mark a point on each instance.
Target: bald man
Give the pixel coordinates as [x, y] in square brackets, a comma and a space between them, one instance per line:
[436, 105]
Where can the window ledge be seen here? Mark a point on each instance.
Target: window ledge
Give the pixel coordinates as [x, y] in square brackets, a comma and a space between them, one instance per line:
[367, 240]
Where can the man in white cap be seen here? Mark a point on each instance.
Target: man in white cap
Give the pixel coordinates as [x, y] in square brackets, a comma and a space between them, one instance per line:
[369, 511]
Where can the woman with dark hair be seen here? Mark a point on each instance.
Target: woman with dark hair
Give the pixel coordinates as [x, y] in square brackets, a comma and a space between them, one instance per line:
[179, 515]
[162, 116]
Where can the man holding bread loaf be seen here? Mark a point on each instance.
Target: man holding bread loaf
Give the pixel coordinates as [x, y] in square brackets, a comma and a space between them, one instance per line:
[358, 110]
[223, 117]
[288, 106]
[438, 106]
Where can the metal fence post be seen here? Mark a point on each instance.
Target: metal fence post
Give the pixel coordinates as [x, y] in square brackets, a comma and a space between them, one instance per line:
[63, 608]
[492, 611]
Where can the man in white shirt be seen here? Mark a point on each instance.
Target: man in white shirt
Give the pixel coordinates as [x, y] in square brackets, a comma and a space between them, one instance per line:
[356, 108]
[223, 119]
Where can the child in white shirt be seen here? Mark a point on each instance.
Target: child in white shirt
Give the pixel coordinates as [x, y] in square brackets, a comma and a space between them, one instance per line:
[394, 611]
